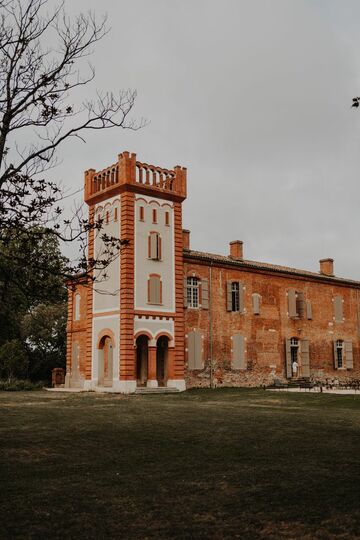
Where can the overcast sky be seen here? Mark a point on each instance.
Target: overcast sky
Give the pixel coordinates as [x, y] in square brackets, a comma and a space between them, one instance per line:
[253, 97]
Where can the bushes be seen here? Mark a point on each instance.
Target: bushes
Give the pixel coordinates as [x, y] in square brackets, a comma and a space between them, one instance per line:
[15, 385]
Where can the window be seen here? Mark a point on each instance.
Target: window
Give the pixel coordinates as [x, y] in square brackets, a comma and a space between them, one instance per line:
[294, 349]
[339, 353]
[107, 217]
[296, 304]
[141, 213]
[238, 352]
[192, 289]
[256, 300]
[234, 296]
[154, 246]
[77, 307]
[194, 350]
[115, 214]
[167, 218]
[338, 309]
[154, 215]
[154, 289]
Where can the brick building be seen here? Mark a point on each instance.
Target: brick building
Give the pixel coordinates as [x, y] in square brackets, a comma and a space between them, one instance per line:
[170, 316]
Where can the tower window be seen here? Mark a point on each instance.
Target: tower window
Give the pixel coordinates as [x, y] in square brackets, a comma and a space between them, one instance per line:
[154, 215]
[154, 289]
[115, 214]
[141, 213]
[167, 218]
[192, 292]
[154, 246]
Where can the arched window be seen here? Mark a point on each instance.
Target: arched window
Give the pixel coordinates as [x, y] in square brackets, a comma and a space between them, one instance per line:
[167, 218]
[154, 246]
[141, 213]
[192, 289]
[154, 289]
[77, 307]
[154, 215]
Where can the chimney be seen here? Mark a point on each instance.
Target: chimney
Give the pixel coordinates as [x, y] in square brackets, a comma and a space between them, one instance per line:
[327, 267]
[186, 239]
[236, 249]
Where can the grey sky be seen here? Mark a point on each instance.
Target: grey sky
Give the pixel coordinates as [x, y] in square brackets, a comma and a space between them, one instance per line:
[254, 98]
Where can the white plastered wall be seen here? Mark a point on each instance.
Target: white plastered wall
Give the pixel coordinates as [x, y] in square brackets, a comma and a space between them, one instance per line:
[107, 289]
[154, 326]
[111, 322]
[145, 266]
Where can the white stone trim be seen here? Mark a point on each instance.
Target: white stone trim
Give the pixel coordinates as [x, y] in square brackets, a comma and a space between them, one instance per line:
[177, 383]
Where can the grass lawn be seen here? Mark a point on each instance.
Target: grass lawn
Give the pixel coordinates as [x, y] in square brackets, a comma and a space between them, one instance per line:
[229, 463]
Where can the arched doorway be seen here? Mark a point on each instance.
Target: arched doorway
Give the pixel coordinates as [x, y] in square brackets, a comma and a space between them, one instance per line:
[142, 344]
[162, 350]
[106, 361]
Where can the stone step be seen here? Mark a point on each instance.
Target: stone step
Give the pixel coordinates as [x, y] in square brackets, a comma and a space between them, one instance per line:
[158, 390]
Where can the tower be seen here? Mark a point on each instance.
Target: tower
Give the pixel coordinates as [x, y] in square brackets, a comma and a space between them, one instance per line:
[128, 330]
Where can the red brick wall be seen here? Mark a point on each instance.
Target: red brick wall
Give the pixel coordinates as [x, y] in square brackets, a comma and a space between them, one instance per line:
[76, 330]
[265, 333]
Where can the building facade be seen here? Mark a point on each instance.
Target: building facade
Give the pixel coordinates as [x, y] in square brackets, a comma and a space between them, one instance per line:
[166, 315]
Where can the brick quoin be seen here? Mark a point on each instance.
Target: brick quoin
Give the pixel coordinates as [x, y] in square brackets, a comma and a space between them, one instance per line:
[328, 306]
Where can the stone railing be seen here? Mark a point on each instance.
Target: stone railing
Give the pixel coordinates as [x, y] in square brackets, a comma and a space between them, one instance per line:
[129, 171]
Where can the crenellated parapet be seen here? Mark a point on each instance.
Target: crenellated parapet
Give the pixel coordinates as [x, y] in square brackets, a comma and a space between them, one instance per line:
[132, 175]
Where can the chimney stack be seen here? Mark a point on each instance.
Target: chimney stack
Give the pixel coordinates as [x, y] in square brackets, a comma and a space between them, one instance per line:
[327, 267]
[236, 249]
[186, 239]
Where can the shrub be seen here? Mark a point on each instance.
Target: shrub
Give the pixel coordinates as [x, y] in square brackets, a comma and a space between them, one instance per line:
[16, 385]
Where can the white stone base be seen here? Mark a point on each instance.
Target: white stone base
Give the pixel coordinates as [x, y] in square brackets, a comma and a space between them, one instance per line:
[177, 383]
[124, 387]
[89, 385]
[152, 384]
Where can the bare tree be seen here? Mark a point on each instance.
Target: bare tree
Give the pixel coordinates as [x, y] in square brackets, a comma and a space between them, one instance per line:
[42, 60]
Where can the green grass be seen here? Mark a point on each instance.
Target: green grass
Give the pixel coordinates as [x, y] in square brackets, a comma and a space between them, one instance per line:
[229, 463]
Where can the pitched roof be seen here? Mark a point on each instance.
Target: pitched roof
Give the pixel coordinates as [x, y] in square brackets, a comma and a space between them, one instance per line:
[226, 260]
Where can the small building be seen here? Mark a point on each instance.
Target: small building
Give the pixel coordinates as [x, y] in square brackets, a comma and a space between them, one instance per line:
[166, 315]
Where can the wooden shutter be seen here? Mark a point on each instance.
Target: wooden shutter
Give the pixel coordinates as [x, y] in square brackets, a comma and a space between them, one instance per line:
[194, 350]
[154, 290]
[238, 346]
[308, 310]
[159, 247]
[338, 308]
[185, 292]
[241, 298]
[292, 303]
[305, 358]
[205, 294]
[288, 359]
[335, 356]
[154, 239]
[300, 305]
[228, 296]
[349, 354]
[256, 303]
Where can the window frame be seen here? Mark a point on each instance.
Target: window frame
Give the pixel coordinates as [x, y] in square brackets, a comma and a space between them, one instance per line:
[193, 292]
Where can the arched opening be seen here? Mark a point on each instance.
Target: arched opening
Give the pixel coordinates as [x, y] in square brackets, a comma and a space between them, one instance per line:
[106, 361]
[142, 346]
[162, 351]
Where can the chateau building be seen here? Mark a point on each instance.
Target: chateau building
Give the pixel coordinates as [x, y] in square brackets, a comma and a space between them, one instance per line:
[170, 316]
